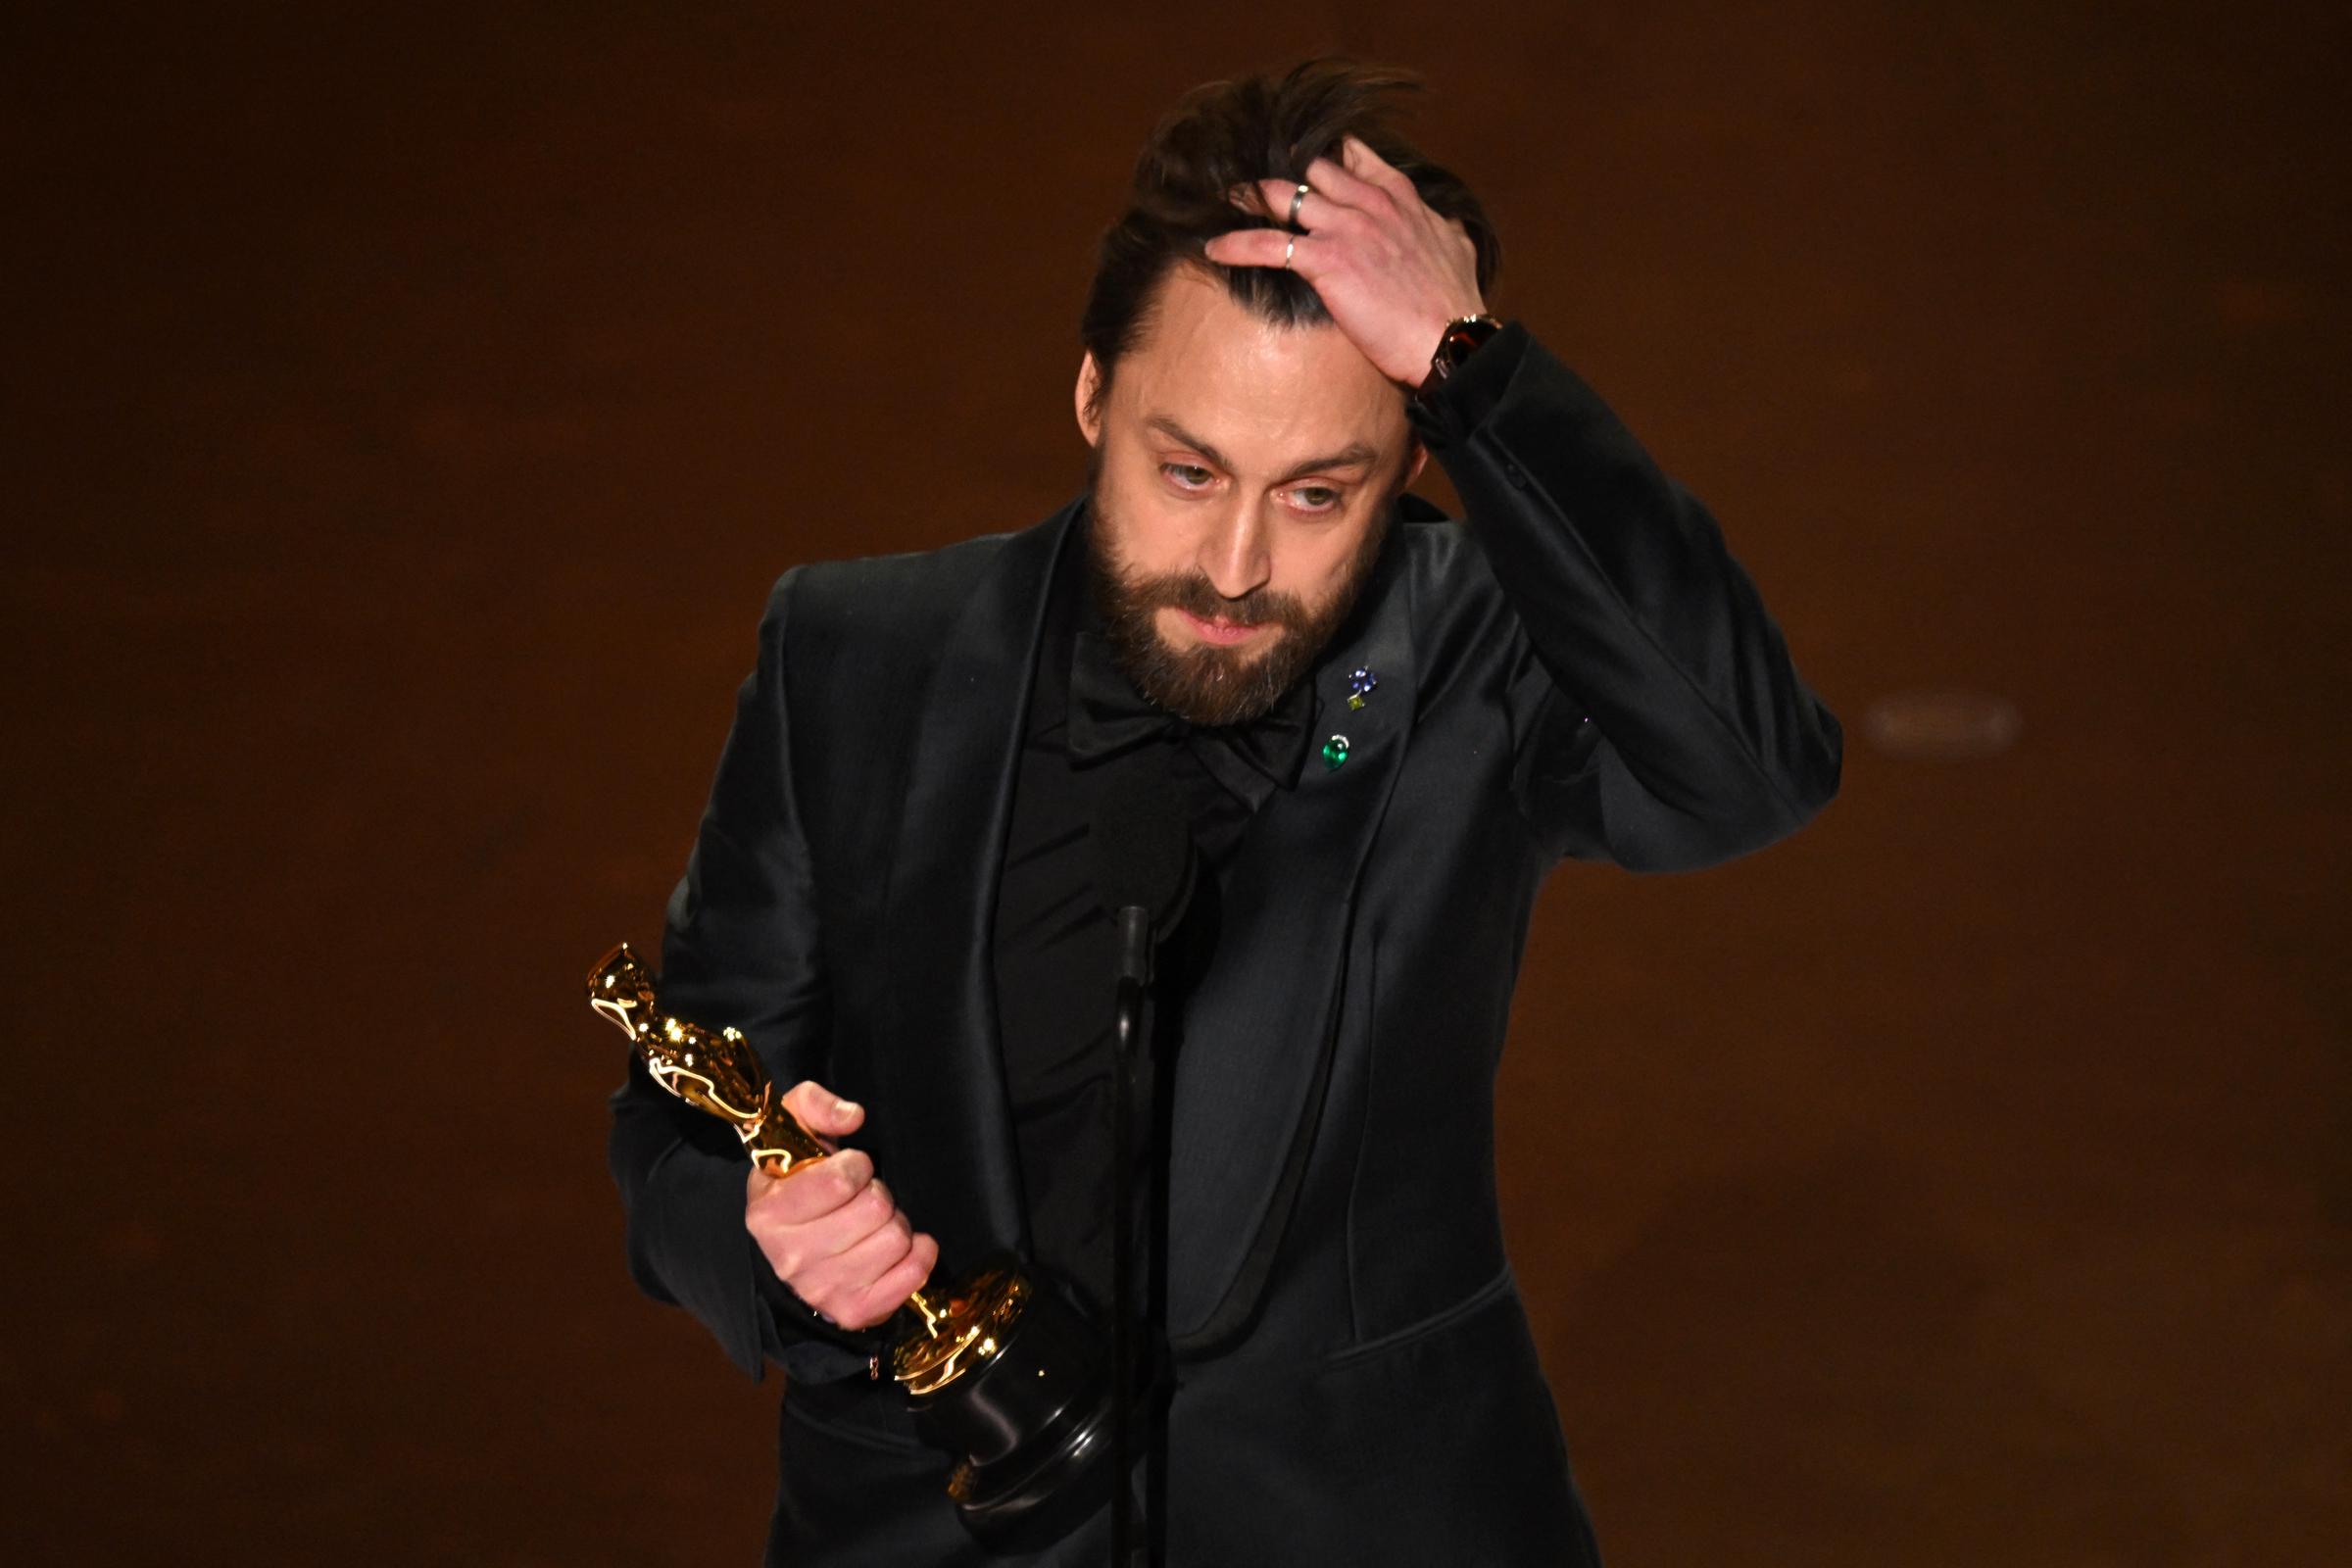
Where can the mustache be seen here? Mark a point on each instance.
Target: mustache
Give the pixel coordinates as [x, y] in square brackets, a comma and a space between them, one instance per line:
[1192, 593]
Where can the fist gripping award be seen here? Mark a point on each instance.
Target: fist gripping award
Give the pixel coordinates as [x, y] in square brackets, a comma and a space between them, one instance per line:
[1000, 1369]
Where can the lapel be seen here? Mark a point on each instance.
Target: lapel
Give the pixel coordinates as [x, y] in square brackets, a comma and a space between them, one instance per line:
[940, 1055]
[1258, 1028]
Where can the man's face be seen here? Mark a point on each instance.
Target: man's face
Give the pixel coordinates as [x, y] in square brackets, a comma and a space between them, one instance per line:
[1242, 476]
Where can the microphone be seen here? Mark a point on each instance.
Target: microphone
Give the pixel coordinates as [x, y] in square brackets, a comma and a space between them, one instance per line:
[1143, 844]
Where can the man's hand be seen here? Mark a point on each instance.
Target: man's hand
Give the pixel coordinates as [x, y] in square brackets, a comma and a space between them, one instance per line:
[1391, 271]
[830, 1230]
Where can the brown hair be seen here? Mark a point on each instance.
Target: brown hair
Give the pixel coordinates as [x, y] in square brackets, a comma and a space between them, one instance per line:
[1225, 134]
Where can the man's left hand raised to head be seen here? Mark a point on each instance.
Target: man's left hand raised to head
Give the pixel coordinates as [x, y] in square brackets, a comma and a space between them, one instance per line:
[1389, 270]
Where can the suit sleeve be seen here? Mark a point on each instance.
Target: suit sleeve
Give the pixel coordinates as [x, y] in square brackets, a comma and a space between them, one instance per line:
[740, 947]
[1659, 719]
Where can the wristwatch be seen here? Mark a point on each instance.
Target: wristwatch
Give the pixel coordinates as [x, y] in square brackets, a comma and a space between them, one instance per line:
[1462, 337]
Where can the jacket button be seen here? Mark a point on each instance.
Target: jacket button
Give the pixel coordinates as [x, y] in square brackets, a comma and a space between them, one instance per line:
[1510, 472]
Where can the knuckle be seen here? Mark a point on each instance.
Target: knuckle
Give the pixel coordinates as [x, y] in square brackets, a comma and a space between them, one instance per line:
[807, 1207]
[849, 1225]
[847, 1175]
[844, 1228]
[791, 1202]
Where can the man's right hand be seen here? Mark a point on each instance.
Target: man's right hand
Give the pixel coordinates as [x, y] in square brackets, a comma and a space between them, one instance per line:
[830, 1230]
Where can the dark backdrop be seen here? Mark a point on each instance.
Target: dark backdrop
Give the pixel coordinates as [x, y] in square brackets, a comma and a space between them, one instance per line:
[407, 408]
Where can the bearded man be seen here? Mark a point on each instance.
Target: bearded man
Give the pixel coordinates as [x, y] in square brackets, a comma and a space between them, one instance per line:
[1386, 727]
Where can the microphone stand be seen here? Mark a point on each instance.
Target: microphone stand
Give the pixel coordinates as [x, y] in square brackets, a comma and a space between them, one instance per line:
[1134, 924]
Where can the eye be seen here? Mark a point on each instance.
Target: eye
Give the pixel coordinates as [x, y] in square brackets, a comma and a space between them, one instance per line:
[1316, 498]
[1187, 475]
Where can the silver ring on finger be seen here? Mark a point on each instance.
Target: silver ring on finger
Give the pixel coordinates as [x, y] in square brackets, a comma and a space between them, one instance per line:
[1298, 200]
[1287, 246]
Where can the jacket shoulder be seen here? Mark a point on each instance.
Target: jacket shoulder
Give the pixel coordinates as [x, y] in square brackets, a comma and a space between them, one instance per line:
[909, 597]
[1457, 603]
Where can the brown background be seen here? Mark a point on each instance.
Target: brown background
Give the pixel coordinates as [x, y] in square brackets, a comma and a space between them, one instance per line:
[407, 414]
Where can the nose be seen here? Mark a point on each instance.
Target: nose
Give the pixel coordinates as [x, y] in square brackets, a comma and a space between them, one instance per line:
[1237, 554]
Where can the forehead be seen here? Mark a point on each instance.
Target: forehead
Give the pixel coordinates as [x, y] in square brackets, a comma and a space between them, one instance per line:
[1260, 392]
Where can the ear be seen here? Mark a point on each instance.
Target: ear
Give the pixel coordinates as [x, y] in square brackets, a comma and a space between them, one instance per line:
[1413, 468]
[1090, 377]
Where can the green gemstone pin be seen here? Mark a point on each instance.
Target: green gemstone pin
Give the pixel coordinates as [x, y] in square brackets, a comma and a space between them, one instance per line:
[1335, 751]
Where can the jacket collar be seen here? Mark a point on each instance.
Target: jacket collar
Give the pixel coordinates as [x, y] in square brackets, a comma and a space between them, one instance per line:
[1260, 1027]
[940, 1055]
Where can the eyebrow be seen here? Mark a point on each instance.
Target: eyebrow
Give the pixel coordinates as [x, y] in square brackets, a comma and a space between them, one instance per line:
[1354, 455]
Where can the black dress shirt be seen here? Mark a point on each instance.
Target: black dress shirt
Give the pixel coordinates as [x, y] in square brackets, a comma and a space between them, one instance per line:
[1055, 947]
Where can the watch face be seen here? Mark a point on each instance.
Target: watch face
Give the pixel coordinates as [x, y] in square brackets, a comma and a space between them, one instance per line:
[1455, 346]
[1463, 336]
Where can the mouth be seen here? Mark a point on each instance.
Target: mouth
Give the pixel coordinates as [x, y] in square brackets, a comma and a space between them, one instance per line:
[1220, 633]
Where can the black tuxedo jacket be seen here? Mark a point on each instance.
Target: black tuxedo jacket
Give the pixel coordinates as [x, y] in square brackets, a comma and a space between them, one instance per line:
[1579, 670]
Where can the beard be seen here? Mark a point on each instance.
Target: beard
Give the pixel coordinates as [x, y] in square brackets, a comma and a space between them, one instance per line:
[1204, 685]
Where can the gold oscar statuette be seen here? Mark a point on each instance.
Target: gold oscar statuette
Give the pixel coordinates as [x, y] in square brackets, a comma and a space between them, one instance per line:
[1002, 1373]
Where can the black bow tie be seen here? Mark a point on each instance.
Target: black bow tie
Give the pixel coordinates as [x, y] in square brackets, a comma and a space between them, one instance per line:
[1107, 717]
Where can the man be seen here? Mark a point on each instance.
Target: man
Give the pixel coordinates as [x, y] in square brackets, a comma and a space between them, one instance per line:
[1387, 727]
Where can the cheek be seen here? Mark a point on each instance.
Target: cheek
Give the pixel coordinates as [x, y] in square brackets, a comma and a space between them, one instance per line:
[1326, 565]
[1149, 530]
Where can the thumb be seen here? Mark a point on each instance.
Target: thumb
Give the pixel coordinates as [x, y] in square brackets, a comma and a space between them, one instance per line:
[822, 1112]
